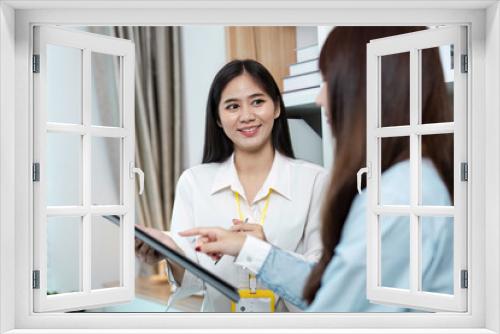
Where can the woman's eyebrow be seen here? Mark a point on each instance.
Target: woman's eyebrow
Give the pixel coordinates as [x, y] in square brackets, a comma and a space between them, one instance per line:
[233, 99]
[255, 95]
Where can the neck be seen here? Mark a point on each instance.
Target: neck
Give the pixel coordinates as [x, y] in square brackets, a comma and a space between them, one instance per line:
[254, 163]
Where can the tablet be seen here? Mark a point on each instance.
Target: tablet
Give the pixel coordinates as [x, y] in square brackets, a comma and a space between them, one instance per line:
[211, 279]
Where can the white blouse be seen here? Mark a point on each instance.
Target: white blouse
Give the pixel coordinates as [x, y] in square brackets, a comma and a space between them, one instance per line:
[205, 196]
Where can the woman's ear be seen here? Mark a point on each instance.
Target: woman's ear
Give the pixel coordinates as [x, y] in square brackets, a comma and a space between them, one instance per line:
[277, 113]
[219, 123]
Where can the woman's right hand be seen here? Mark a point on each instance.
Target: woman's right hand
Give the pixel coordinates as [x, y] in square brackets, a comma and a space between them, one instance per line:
[216, 240]
[146, 253]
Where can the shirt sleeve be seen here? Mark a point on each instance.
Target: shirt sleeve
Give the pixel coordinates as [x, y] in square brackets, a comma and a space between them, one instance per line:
[270, 264]
[253, 254]
[183, 219]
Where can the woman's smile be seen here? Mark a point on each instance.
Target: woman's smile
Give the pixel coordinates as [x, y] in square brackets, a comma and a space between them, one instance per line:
[250, 131]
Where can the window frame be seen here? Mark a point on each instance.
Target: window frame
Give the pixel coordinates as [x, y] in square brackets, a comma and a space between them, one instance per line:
[88, 44]
[413, 44]
[17, 17]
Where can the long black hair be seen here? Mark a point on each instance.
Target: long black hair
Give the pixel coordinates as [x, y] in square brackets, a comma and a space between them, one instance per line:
[218, 147]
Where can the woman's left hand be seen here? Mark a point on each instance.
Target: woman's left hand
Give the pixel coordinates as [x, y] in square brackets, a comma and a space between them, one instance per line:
[255, 230]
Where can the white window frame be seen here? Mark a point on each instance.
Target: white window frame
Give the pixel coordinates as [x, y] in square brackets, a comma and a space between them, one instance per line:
[413, 43]
[125, 50]
[16, 19]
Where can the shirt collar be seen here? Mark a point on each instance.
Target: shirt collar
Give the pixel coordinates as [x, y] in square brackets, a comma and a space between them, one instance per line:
[227, 177]
[278, 179]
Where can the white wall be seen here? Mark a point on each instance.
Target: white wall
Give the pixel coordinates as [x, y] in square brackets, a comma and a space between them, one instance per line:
[306, 36]
[203, 54]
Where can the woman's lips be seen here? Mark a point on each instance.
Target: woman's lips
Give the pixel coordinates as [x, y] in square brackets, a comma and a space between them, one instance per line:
[250, 131]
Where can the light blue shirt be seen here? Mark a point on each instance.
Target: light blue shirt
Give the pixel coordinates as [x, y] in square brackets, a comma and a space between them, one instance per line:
[343, 285]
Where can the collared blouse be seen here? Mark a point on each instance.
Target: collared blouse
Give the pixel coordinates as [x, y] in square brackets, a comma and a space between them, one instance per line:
[343, 284]
[205, 196]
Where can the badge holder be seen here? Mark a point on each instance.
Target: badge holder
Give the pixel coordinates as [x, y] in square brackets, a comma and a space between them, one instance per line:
[253, 299]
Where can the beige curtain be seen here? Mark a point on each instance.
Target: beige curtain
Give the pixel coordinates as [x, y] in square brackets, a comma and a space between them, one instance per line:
[157, 117]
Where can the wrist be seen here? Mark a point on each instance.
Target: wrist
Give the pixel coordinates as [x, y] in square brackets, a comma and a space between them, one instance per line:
[252, 254]
[239, 245]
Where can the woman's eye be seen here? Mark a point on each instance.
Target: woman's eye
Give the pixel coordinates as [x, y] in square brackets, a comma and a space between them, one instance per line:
[232, 106]
[258, 102]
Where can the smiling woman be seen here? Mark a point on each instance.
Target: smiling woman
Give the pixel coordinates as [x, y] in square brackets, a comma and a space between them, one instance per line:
[249, 174]
[246, 112]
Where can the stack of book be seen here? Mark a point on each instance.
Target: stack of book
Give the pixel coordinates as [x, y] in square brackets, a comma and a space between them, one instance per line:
[302, 85]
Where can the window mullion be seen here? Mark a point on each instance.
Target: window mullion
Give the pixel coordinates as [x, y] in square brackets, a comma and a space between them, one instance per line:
[414, 171]
[87, 167]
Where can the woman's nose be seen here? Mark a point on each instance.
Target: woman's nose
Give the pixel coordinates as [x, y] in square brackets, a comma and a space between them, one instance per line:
[247, 113]
[317, 100]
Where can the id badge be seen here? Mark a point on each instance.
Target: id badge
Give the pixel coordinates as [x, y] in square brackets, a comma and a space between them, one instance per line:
[258, 301]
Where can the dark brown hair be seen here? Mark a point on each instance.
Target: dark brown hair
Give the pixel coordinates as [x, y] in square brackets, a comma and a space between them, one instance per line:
[343, 65]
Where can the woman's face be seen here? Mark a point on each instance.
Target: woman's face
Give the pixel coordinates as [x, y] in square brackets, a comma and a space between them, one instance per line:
[322, 101]
[247, 114]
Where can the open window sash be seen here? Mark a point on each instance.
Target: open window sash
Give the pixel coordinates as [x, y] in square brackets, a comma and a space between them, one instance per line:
[413, 296]
[64, 58]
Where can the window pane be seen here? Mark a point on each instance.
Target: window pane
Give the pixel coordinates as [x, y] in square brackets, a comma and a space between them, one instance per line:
[437, 254]
[64, 254]
[64, 84]
[437, 84]
[106, 251]
[395, 251]
[395, 166]
[64, 169]
[106, 170]
[106, 87]
[395, 89]
[434, 181]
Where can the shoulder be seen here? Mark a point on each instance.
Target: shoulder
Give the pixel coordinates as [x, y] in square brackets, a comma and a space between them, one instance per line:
[199, 174]
[395, 184]
[305, 168]
[203, 169]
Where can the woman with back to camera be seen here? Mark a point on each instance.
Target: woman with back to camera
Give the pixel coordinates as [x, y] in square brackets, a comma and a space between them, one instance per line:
[249, 174]
[337, 283]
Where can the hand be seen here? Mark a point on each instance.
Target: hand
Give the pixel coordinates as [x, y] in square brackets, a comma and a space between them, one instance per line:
[148, 254]
[216, 240]
[255, 230]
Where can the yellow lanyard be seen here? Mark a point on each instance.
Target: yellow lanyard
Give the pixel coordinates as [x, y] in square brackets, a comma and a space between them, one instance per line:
[251, 277]
[263, 213]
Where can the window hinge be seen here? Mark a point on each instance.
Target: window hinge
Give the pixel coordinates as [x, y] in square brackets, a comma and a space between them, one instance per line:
[464, 281]
[465, 65]
[36, 279]
[36, 172]
[36, 63]
[452, 57]
[464, 171]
